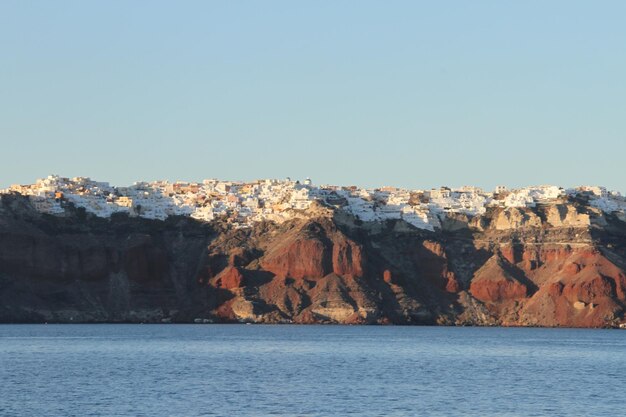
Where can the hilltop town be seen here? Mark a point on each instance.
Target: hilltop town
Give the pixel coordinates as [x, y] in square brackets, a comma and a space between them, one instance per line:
[243, 203]
[287, 251]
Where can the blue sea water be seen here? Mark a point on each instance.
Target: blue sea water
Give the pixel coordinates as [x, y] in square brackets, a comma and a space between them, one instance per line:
[259, 370]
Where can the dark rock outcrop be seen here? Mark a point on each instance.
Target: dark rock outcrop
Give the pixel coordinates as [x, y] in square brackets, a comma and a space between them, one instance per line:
[549, 266]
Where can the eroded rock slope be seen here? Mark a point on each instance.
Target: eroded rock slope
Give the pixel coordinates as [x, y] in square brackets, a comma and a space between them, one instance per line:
[551, 265]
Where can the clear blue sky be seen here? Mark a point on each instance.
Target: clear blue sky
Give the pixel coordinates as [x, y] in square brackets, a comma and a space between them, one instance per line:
[408, 93]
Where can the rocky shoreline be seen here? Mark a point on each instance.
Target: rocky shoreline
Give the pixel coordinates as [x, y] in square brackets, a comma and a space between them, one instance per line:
[554, 265]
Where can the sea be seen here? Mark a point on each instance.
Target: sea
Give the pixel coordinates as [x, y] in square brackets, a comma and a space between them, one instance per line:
[308, 370]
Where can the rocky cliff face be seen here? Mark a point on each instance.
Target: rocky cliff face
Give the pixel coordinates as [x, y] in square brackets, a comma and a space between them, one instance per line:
[556, 265]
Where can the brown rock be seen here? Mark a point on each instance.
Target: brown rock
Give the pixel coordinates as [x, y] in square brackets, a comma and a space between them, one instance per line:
[432, 264]
[452, 285]
[585, 290]
[230, 278]
[495, 282]
[301, 258]
[347, 258]
[545, 266]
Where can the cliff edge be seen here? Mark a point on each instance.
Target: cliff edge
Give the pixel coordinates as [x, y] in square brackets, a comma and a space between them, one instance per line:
[556, 264]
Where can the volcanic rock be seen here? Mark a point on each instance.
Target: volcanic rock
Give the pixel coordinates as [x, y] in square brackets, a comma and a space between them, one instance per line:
[558, 264]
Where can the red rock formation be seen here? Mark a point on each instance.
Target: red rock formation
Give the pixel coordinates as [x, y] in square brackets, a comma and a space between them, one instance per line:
[494, 282]
[387, 276]
[583, 290]
[347, 258]
[307, 254]
[432, 264]
[288, 295]
[532, 257]
[452, 285]
[229, 278]
[300, 258]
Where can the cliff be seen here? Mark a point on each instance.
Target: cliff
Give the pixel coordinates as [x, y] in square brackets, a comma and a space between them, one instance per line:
[558, 264]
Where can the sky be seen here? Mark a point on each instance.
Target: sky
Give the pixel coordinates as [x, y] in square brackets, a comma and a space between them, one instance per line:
[415, 94]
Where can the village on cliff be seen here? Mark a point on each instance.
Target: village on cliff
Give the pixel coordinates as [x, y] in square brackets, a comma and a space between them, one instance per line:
[243, 203]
